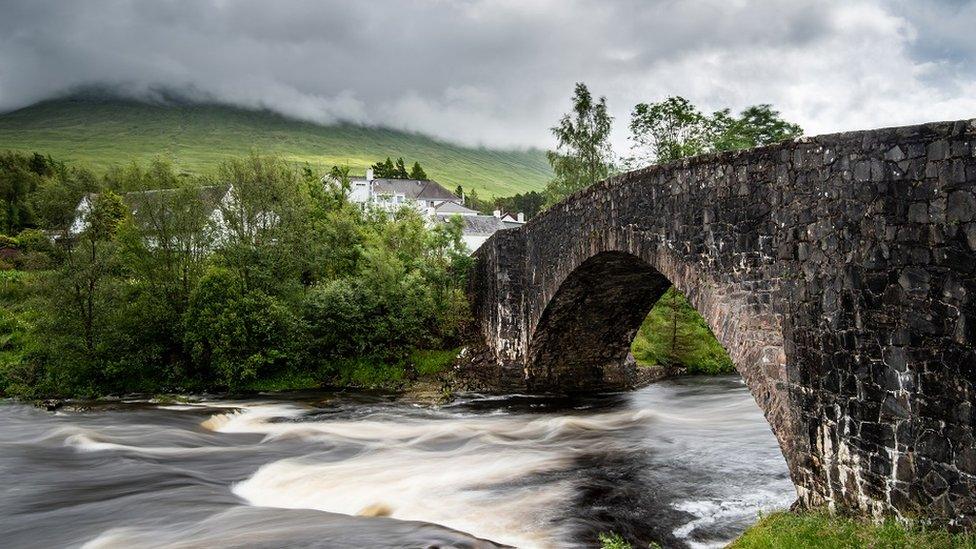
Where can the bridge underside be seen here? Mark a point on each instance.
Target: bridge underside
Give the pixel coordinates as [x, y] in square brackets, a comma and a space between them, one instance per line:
[838, 271]
[583, 339]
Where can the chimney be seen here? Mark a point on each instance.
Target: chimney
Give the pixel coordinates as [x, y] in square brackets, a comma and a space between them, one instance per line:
[431, 211]
[369, 174]
[497, 213]
[521, 217]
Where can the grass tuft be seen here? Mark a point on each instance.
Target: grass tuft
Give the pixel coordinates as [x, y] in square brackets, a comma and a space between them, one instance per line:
[820, 530]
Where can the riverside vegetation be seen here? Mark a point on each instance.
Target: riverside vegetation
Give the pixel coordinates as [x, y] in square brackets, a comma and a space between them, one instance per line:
[301, 288]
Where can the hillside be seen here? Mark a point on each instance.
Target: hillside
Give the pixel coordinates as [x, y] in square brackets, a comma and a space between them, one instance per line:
[100, 133]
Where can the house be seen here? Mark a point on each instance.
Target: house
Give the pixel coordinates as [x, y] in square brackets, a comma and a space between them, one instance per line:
[214, 199]
[477, 228]
[392, 194]
[432, 200]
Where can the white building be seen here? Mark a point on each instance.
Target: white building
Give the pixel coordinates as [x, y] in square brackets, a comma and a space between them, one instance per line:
[432, 200]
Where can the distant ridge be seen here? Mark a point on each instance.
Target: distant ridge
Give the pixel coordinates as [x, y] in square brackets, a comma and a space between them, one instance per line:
[102, 131]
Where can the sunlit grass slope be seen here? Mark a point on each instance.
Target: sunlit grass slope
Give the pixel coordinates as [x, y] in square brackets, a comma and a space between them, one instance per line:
[104, 132]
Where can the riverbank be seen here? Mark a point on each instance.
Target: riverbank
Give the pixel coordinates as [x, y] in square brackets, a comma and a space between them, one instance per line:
[818, 529]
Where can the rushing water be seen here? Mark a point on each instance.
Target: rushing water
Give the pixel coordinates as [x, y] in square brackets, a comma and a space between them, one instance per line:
[684, 462]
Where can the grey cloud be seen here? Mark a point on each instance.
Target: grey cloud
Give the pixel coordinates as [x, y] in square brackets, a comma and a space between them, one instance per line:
[499, 72]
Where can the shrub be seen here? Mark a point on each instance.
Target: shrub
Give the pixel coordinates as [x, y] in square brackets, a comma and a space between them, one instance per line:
[236, 336]
[34, 240]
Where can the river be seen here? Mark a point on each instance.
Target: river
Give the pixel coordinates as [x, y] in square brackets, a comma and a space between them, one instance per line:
[688, 462]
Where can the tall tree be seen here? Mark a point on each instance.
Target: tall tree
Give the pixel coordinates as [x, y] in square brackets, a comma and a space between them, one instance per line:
[89, 262]
[400, 170]
[583, 153]
[668, 130]
[416, 172]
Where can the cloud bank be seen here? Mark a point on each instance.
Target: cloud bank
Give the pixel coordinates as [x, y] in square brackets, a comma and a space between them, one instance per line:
[499, 73]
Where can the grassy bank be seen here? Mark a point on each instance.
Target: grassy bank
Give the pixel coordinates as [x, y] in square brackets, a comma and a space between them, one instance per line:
[363, 373]
[675, 336]
[818, 529]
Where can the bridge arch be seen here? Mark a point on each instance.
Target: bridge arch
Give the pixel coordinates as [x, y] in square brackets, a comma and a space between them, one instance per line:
[838, 271]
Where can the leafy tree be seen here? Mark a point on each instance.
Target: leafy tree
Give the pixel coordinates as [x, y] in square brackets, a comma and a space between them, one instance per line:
[91, 261]
[18, 181]
[400, 170]
[384, 170]
[530, 203]
[241, 334]
[340, 174]
[416, 172]
[583, 154]
[675, 128]
[755, 126]
[667, 131]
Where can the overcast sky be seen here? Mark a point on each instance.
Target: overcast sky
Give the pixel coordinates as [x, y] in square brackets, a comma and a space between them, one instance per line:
[500, 73]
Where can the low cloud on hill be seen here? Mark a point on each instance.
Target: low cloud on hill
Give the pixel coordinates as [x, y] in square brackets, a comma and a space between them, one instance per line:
[500, 72]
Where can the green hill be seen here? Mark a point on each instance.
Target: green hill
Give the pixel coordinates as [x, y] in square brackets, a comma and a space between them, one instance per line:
[100, 133]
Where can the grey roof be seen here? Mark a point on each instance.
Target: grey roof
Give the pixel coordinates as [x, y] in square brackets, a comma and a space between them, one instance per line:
[210, 196]
[454, 208]
[414, 189]
[478, 225]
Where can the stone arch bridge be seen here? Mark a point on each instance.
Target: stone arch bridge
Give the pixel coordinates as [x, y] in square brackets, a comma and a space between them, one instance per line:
[838, 271]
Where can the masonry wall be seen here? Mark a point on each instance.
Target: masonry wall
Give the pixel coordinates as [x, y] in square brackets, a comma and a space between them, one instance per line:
[838, 271]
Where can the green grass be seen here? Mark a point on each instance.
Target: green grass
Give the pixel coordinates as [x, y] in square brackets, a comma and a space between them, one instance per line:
[820, 530]
[696, 349]
[102, 133]
[432, 362]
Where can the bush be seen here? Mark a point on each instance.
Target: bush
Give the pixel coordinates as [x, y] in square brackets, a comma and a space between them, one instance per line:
[9, 242]
[34, 240]
[236, 336]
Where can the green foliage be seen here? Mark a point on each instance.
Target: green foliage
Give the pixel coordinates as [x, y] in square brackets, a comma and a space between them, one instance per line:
[756, 126]
[819, 529]
[668, 130]
[416, 172]
[198, 138]
[583, 154]
[397, 170]
[613, 540]
[241, 333]
[530, 203]
[675, 336]
[432, 361]
[296, 287]
[675, 128]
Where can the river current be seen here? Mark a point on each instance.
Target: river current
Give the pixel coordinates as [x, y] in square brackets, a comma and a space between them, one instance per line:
[687, 462]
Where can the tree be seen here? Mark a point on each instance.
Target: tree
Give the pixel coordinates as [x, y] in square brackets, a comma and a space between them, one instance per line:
[416, 172]
[675, 128]
[583, 153]
[389, 169]
[755, 126]
[667, 131]
[400, 170]
[529, 203]
[90, 261]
